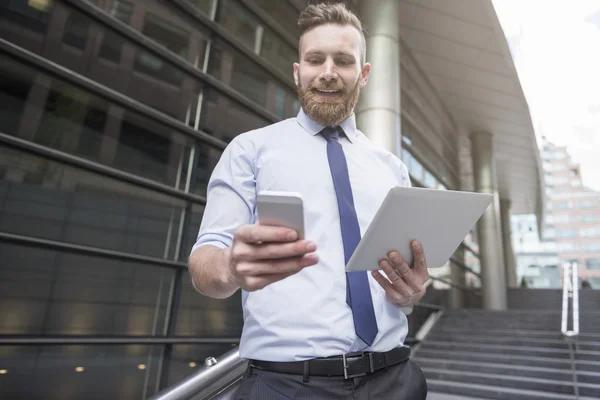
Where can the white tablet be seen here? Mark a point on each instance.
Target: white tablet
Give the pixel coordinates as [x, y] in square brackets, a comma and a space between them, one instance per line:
[438, 219]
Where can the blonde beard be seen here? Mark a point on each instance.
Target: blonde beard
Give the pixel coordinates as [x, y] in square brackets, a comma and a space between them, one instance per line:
[328, 112]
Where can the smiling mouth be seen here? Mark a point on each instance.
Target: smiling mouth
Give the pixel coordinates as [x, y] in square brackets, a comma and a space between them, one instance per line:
[328, 91]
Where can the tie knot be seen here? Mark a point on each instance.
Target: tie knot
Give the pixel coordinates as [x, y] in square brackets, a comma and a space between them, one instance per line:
[330, 132]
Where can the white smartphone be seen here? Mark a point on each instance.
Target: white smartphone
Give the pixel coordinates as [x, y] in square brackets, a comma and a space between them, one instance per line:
[281, 209]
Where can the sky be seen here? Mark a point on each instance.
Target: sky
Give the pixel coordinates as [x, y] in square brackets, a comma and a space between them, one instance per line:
[556, 49]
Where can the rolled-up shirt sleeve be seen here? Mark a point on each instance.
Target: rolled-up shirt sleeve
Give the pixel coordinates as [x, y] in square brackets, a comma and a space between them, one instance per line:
[231, 195]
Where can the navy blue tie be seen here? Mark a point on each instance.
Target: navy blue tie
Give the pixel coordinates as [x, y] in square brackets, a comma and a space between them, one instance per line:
[358, 294]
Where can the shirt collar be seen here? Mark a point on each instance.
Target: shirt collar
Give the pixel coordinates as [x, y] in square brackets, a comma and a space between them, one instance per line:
[348, 125]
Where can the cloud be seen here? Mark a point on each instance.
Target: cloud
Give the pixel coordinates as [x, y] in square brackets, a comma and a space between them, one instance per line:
[555, 46]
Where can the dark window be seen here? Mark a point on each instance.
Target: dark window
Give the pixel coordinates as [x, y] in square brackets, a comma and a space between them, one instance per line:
[105, 372]
[278, 52]
[248, 78]
[240, 21]
[48, 292]
[48, 200]
[283, 13]
[141, 149]
[15, 85]
[77, 30]
[65, 118]
[173, 38]
[112, 43]
[201, 316]
[33, 15]
[225, 118]
[207, 158]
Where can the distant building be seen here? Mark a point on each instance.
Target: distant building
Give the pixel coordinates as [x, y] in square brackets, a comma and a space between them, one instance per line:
[571, 230]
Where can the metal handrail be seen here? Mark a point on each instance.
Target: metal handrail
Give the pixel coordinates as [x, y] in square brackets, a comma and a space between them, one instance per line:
[216, 376]
[570, 291]
[571, 302]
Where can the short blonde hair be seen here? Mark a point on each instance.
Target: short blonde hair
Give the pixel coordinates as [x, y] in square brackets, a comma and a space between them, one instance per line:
[331, 13]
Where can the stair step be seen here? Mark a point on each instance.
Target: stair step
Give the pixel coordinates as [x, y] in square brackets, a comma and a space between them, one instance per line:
[582, 365]
[507, 349]
[517, 382]
[548, 334]
[558, 374]
[444, 396]
[494, 392]
[514, 341]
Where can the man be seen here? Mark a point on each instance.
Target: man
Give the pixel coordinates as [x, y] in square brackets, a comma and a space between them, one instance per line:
[312, 331]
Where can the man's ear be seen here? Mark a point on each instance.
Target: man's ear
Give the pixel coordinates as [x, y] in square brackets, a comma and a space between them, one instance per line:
[364, 74]
[296, 73]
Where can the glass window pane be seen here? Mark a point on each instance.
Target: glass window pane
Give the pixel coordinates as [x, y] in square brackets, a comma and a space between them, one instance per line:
[111, 44]
[203, 5]
[207, 158]
[283, 13]
[193, 227]
[202, 316]
[51, 292]
[79, 372]
[247, 77]
[187, 358]
[239, 72]
[33, 15]
[225, 118]
[77, 30]
[429, 180]
[278, 52]
[48, 200]
[238, 20]
[122, 65]
[58, 115]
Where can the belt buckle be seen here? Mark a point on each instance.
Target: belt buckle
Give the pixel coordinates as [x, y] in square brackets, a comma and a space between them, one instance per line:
[348, 376]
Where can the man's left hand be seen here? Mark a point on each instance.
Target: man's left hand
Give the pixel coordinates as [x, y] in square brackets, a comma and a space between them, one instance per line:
[404, 285]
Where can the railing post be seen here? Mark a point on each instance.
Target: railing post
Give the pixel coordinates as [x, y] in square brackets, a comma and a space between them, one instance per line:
[571, 302]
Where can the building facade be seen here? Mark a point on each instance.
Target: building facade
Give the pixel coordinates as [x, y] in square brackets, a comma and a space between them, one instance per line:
[571, 231]
[113, 114]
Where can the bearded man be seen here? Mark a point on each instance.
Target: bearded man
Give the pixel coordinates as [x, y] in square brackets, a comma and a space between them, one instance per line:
[310, 332]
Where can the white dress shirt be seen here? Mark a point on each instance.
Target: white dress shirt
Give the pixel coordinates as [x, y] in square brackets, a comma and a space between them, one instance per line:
[304, 316]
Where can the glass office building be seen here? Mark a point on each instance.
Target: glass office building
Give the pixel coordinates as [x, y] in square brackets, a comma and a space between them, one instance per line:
[113, 114]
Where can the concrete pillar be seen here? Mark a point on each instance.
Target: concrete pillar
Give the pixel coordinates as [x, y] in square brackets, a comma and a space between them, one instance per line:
[509, 255]
[490, 249]
[378, 110]
[457, 276]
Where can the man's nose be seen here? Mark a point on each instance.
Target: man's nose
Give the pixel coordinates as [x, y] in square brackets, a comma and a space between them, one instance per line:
[329, 72]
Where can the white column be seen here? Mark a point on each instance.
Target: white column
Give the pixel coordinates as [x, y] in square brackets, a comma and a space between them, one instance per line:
[490, 242]
[378, 110]
[457, 276]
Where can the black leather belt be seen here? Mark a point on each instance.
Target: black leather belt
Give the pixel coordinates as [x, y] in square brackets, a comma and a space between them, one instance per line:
[349, 365]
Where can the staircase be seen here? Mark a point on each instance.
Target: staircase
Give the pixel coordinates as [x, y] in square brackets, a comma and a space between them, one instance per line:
[514, 354]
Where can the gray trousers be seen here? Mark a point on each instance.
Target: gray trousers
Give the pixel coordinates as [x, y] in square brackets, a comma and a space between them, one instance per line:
[404, 381]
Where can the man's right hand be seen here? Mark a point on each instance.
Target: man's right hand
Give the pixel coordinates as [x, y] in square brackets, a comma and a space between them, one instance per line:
[261, 255]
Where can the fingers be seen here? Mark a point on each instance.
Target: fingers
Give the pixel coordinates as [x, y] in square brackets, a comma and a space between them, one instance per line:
[396, 288]
[402, 271]
[272, 251]
[255, 276]
[403, 282]
[279, 266]
[264, 233]
[420, 262]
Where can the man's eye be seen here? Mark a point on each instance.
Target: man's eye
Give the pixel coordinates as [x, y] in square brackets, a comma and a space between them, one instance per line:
[313, 61]
[343, 62]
